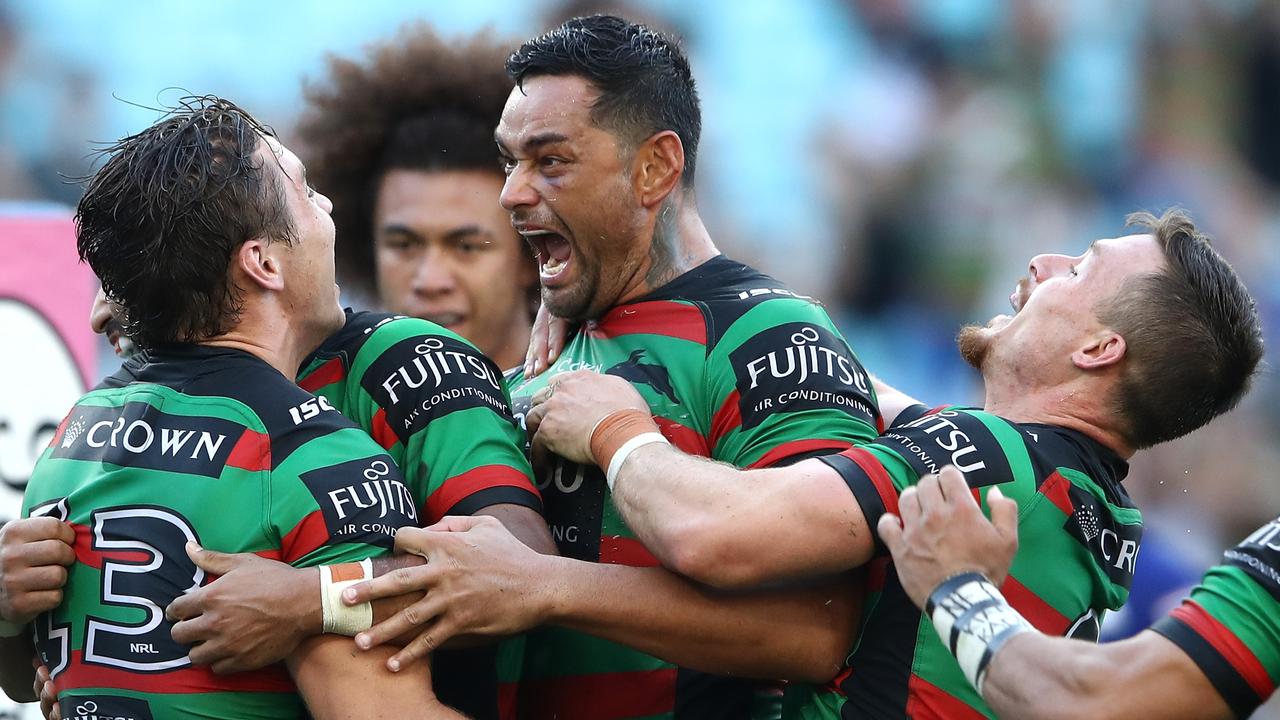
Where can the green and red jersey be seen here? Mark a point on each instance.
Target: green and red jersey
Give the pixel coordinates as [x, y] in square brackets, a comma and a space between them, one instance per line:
[440, 409]
[434, 403]
[212, 445]
[1230, 626]
[735, 367]
[1078, 540]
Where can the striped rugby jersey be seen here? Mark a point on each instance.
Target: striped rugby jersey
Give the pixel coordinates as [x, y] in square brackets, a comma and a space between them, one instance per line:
[735, 367]
[1078, 532]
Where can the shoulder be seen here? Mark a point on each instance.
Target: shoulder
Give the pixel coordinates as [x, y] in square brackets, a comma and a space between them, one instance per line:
[988, 449]
[1259, 556]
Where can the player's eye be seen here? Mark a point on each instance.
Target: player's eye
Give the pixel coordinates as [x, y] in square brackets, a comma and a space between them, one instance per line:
[1072, 269]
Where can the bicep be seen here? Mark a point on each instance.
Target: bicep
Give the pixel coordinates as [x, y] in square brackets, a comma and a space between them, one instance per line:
[776, 525]
[809, 522]
[525, 523]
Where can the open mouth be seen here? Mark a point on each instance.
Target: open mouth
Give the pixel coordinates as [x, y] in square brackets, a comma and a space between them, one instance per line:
[554, 252]
[1018, 298]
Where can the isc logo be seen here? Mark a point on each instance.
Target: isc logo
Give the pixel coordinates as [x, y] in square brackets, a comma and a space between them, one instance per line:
[309, 409]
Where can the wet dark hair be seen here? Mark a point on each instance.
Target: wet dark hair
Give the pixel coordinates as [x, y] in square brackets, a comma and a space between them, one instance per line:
[643, 78]
[161, 220]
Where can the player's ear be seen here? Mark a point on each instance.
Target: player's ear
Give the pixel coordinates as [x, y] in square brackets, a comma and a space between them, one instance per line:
[658, 167]
[1102, 350]
[259, 262]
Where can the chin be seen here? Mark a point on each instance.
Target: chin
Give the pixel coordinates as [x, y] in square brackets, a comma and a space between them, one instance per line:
[974, 343]
[571, 303]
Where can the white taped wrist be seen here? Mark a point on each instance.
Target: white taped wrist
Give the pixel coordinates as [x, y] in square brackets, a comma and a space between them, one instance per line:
[973, 620]
[630, 446]
[8, 629]
[340, 618]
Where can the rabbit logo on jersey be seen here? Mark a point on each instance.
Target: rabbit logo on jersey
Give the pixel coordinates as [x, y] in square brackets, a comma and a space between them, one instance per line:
[799, 366]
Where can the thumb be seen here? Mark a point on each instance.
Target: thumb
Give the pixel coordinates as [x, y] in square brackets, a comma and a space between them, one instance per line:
[211, 561]
[890, 529]
[1004, 515]
[457, 523]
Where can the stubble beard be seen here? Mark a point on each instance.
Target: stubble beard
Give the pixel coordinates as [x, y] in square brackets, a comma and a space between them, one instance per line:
[574, 303]
[974, 343]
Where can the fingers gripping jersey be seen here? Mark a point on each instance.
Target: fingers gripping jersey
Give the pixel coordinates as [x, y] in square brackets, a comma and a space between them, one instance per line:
[1078, 540]
[433, 402]
[1231, 624]
[735, 368]
[207, 445]
[440, 409]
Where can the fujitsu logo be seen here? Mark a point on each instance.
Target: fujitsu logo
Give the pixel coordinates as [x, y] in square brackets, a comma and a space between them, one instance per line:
[949, 437]
[378, 490]
[804, 357]
[432, 364]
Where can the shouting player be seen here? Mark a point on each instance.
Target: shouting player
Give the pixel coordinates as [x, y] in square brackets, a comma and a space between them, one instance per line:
[1215, 656]
[1138, 340]
[599, 140]
[220, 255]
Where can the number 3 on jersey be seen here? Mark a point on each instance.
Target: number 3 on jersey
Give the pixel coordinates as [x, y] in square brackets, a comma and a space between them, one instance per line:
[149, 583]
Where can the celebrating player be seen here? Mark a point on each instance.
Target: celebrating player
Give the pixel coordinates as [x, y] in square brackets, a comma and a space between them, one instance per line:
[220, 255]
[403, 145]
[1215, 656]
[1138, 340]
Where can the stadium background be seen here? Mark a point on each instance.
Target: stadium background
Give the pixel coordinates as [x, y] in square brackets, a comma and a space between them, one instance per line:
[898, 159]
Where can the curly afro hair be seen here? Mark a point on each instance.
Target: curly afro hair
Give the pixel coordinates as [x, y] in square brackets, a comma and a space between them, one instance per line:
[418, 102]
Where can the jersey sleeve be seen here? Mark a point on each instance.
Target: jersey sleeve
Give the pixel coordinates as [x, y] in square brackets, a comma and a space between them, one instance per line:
[1230, 626]
[442, 409]
[984, 448]
[333, 495]
[784, 385]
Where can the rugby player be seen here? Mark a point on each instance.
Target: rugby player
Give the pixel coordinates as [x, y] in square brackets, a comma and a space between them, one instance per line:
[204, 230]
[1137, 341]
[1215, 656]
[599, 140]
[402, 142]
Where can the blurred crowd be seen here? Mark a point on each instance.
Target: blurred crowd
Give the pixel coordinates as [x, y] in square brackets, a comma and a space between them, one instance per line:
[897, 159]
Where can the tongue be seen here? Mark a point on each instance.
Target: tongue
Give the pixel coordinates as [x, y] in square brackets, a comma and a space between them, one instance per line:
[558, 248]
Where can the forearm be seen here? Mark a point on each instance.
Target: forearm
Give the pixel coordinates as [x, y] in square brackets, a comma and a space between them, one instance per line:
[891, 400]
[799, 634]
[733, 528]
[526, 524]
[339, 682]
[1044, 677]
[17, 676]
